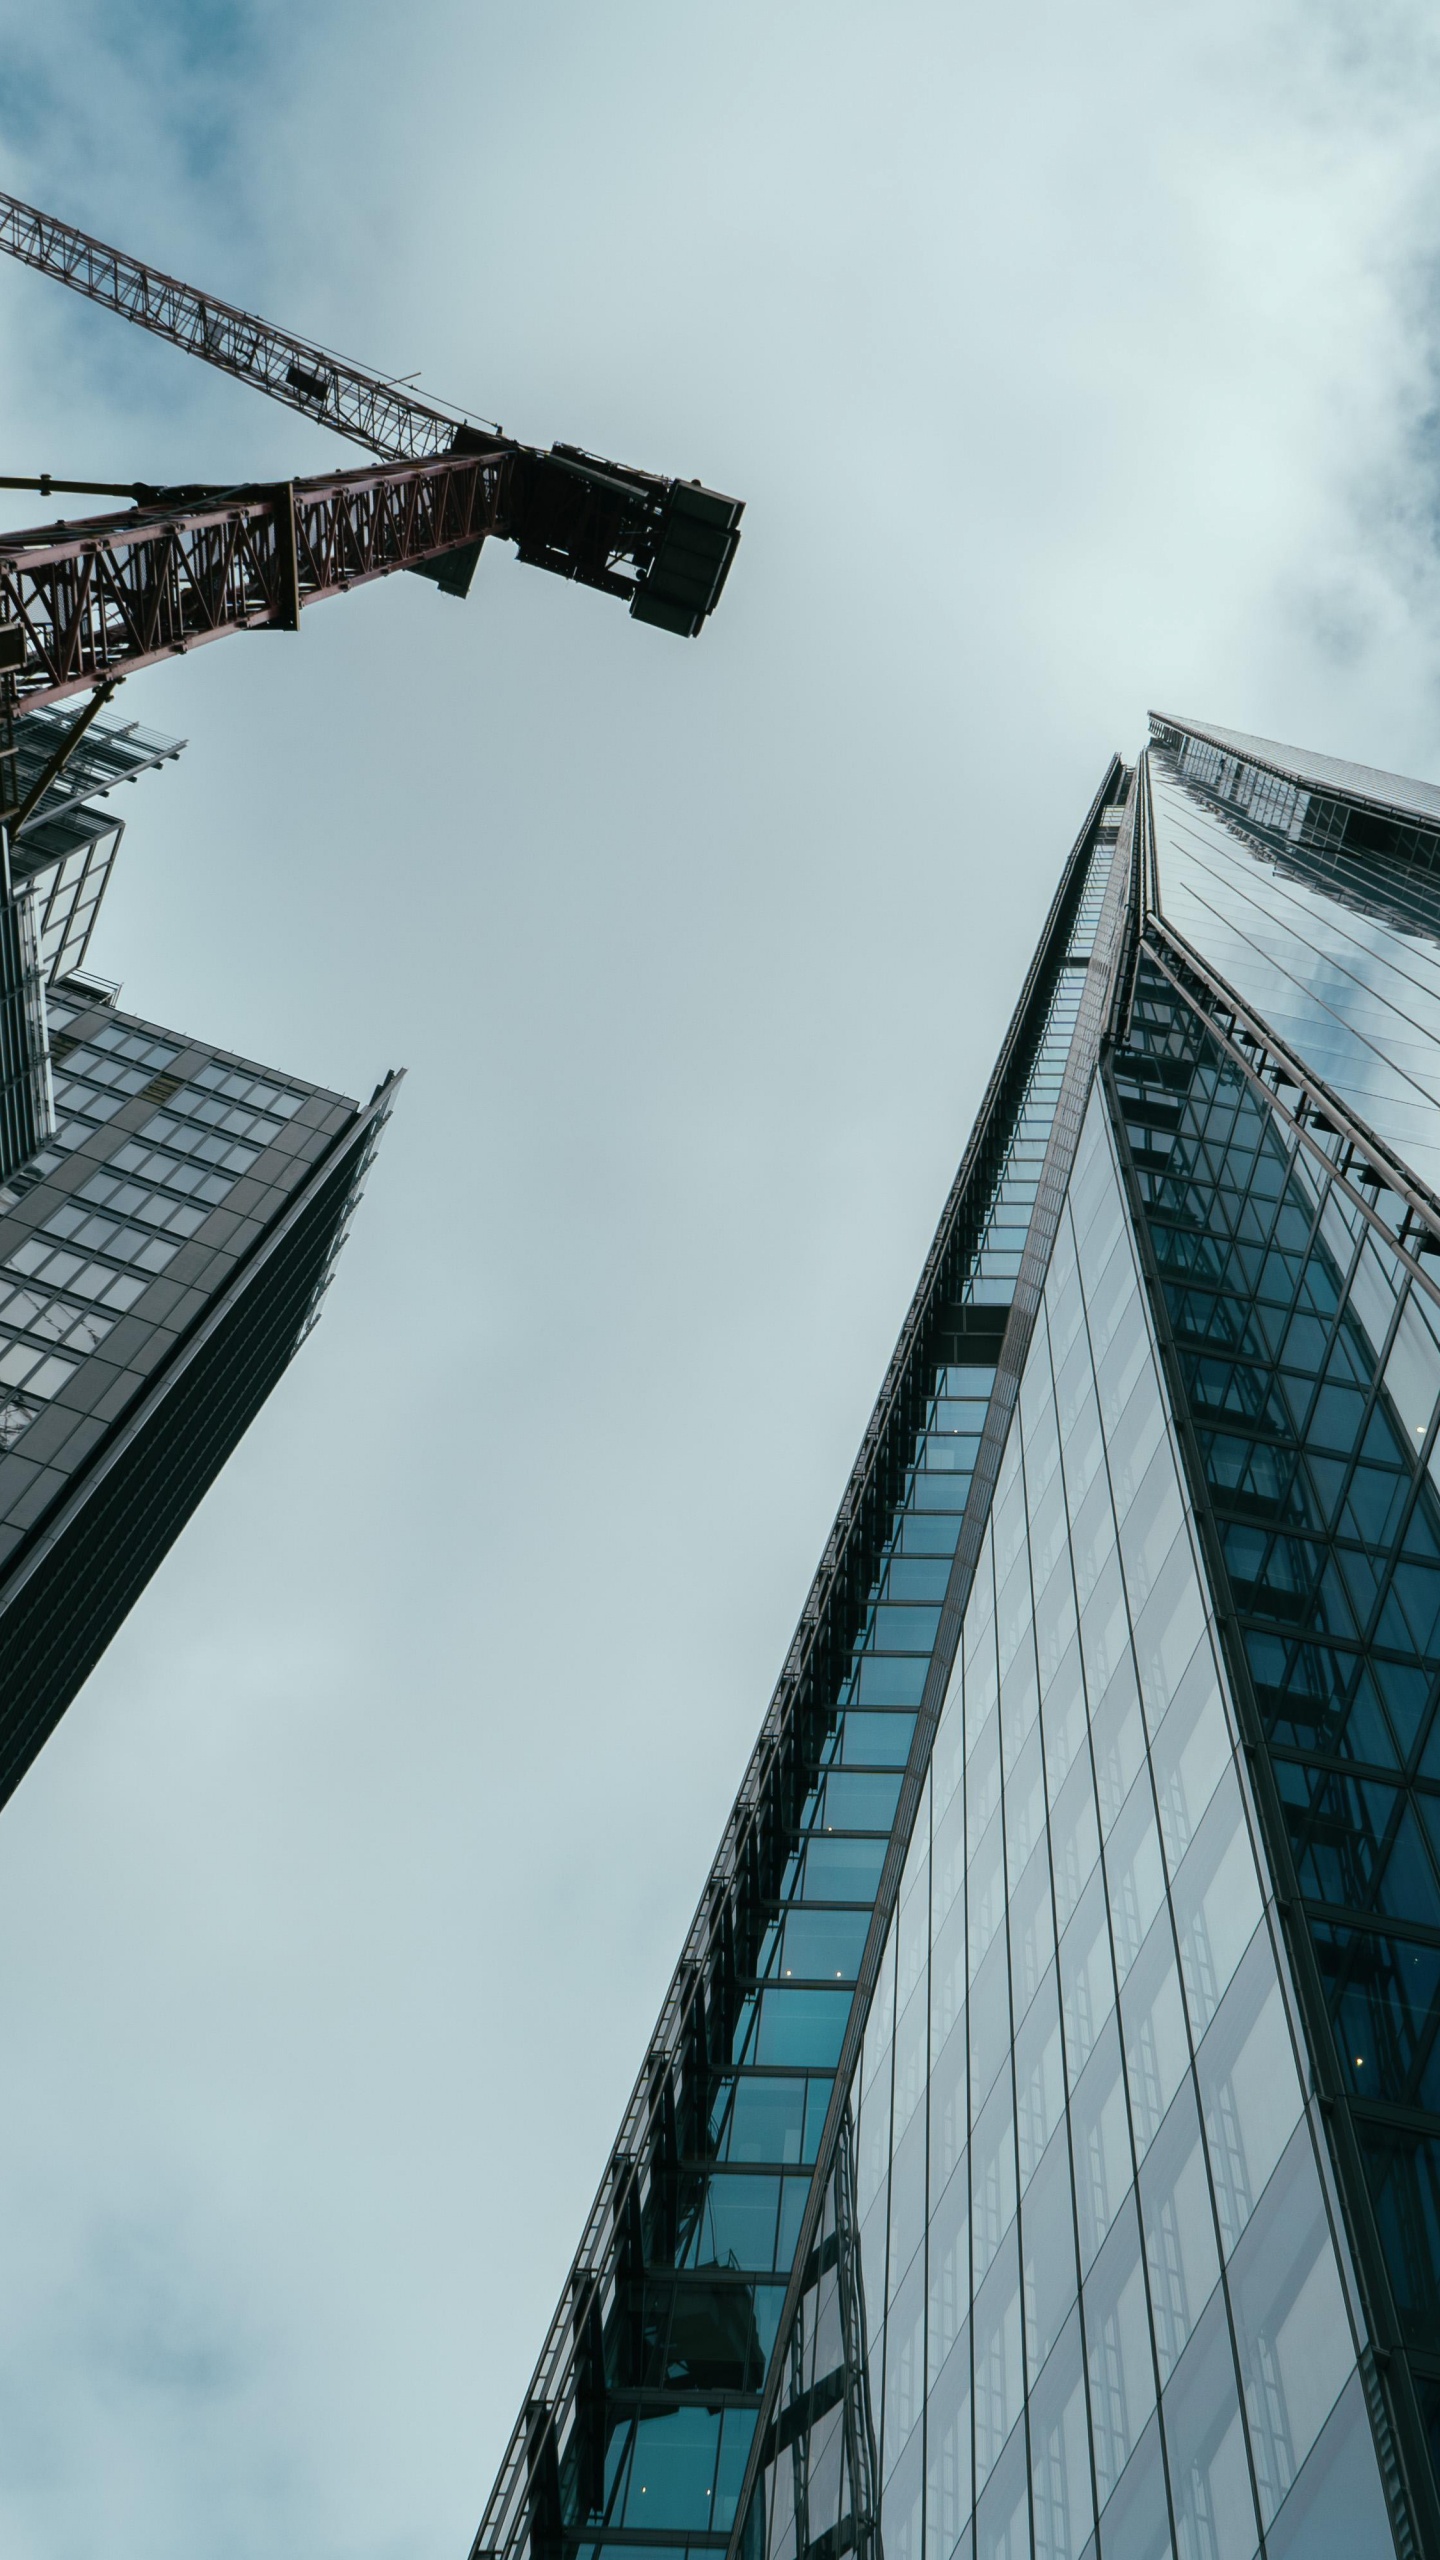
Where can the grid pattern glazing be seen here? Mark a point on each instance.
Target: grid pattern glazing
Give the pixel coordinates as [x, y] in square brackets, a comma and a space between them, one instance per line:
[1007, 1222]
[1311, 1365]
[66, 853]
[680, 2410]
[687, 2344]
[66, 893]
[1091, 2239]
[101, 1244]
[1340, 954]
[1329, 779]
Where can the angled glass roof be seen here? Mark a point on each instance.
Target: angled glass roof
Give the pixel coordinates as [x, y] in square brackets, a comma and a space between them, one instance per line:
[1336, 945]
[1362, 783]
[111, 751]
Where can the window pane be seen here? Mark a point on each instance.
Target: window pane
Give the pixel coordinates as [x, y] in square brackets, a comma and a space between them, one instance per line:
[842, 1870]
[852, 1801]
[1336, 2509]
[992, 2174]
[802, 2026]
[672, 2474]
[1063, 2499]
[1135, 1871]
[1180, 2245]
[1209, 2474]
[1104, 2169]
[1249, 2088]
[1047, 2245]
[1292, 2330]
[764, 2121]
[1002, 2524]
[999, 2363]
[1217, 1903]
[1136, 2523]
[1039, 2077]
[1087, 1976]
[823, 1945]
[736, 2226]
[1157, 2047]
[1117, 2330]
[1403, 2168]
[947, 2432]
[879, 1739]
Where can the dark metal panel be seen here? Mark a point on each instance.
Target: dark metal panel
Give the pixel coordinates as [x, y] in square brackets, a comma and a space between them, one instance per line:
[74, 1580]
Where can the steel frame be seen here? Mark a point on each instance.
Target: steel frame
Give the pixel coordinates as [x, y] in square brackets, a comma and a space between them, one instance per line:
[664, 546]
[1360, 1161]
[85, 603]
[1364, 1169]
[367, 406]
[1079, 1073]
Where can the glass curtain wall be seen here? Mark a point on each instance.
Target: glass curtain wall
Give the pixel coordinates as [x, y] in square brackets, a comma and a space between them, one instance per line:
[1090, 2237]
[1130, 2242]
[685, 2354]
[1338, 948]
[1308, 1352]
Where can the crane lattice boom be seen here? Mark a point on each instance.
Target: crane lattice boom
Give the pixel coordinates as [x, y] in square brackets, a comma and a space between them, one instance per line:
[86, 603]
[663, 545]
[349, 397]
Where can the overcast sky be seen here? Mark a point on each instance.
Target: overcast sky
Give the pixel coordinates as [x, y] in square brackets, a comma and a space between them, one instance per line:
[1069, 360]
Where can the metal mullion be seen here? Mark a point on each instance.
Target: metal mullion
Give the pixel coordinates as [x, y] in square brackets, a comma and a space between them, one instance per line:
[1359, 1143]
[1103, 1869]
[1191, 2043]
[894, 1407]
[1059, 2001]
[1182, 1429]
[994, 1642]
[1345, 1915]
[1009, 2063]
[1297, 1965]
[1059, 1998]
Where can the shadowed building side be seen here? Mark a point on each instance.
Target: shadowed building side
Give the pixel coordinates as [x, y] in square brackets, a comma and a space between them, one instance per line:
[160, 1262]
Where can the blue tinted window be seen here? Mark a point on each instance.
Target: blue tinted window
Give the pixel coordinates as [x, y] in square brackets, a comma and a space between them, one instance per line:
[802, 2026]
[842, 1870]
[880, 1741]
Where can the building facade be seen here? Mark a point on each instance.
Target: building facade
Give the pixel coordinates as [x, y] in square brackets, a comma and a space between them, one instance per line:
[1038, 2153]
[169, 1218]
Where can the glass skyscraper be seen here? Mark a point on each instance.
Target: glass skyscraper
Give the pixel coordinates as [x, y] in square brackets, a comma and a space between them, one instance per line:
[1038, 2152]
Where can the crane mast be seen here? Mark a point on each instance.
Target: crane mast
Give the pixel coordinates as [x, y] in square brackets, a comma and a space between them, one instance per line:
[663, 546]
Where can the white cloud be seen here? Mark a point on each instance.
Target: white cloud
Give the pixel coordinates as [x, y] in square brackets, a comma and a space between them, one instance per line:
[1068, 361]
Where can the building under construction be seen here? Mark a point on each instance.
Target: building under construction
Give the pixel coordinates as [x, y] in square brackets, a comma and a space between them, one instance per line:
[170, 1214]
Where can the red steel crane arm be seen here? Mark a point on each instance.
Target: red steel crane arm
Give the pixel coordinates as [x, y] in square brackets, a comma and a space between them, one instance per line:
[83, 603]
[667, 544]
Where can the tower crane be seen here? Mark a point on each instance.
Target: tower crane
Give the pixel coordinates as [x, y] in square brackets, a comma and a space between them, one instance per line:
[86, 602]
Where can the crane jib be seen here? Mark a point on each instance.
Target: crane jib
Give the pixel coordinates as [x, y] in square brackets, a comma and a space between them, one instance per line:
[92, 600]
[665, 546]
